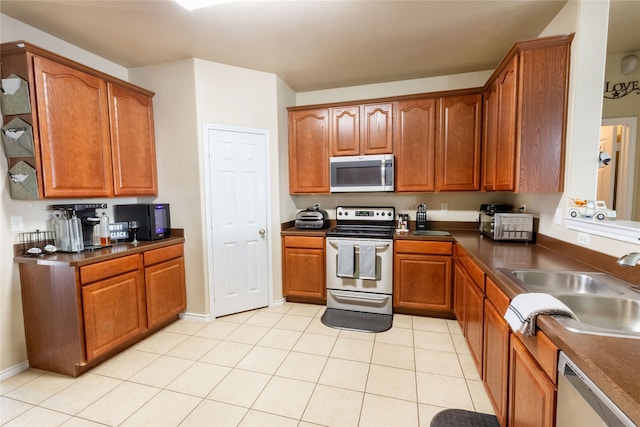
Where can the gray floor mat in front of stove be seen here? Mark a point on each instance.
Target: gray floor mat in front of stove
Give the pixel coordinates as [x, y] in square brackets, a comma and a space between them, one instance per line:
[357, 321]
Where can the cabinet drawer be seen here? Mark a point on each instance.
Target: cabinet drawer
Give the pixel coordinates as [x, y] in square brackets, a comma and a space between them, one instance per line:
[544, 352]
[304, 242]
[499, 300]
[163, 254]
[460, 255]
[102, 270]
[423, 247]
[476, 273]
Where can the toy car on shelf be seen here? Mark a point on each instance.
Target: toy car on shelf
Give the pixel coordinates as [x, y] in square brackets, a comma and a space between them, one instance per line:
[591, 209]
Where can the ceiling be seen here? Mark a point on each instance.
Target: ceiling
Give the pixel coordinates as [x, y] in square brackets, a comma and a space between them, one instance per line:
[312, 45]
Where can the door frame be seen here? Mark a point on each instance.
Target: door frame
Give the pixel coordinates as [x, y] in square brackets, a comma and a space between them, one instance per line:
[626, 168]
[208, 206]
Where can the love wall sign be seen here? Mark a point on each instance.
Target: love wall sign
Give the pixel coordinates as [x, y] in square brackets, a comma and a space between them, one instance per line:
[619, 90]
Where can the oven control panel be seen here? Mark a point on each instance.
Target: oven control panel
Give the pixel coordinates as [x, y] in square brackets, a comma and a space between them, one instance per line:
[365, 213]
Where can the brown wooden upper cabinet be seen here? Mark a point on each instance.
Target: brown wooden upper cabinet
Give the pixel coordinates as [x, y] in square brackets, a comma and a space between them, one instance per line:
[93, 134]
[361, 129]
[458, 143]
[525, 118]
[133, 147]
[74, 131]
[506, 136]
[309, 151]
[415, 144]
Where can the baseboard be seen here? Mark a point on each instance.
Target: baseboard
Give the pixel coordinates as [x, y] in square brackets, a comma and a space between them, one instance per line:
[277, 303]
[14, 370]
[196, 317]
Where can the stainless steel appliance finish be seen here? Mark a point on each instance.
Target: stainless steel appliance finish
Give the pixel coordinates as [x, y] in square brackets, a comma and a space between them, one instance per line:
[312, 218]
[507, 226]
[361, 230]
[361, 173]
[581, 402]
[78, 222]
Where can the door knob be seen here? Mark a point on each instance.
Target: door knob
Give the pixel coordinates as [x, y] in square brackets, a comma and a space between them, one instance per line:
[262, 231]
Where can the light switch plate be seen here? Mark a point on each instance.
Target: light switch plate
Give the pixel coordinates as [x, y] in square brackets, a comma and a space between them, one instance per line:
[444, 207]
[558, 216]
[17, 224]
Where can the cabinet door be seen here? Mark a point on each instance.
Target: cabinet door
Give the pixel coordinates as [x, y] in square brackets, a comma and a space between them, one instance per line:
[459, 286]
[345, 131]
[166, 291]
[422, 282]
[114, 312]
[496, 360]
[304, 267]
[505, 149]
[133, 146]
[458, 143]
[473, 318]
[309, 151]
[542, 113]
[532, 395]
[377, 129]
[73, 118]
[490, 136]
[415, 142]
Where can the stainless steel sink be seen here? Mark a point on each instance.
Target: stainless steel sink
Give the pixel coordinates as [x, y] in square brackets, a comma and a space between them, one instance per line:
[564, 282]
[603, 304]
[613, 316]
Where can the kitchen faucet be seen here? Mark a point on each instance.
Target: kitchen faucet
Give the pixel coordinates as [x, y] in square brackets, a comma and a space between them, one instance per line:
[630, 259]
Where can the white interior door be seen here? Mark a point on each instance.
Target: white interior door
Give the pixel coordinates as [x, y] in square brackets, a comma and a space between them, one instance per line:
[237, 216]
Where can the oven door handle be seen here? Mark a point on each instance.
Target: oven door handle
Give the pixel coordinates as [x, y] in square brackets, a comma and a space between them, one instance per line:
[334, 243]
[351, 296]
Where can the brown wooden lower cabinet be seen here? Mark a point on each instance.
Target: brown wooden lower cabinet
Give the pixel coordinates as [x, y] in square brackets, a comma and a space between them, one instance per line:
[422, 276]
[518, 372]
[303, 268]
[114, 312]
[474, 321]
[532, 395]
[77, 316]
[495, 366]
[165, 284]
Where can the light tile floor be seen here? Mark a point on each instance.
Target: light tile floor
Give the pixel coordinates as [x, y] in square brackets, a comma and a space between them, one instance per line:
[276, 366]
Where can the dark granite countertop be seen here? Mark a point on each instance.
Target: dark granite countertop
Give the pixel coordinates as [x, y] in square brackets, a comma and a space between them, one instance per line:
[90, 257]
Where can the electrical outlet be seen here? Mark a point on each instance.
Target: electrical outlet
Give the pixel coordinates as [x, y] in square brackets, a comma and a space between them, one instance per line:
[558, 217]
[444, 207]
[523, 208]
[583, 239]
[17, 224]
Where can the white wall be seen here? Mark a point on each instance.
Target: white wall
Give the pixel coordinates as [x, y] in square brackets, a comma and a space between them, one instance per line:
[177, 156]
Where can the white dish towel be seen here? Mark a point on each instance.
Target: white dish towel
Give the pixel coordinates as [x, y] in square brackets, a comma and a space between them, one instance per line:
[524, 309]
[346, 260]
[367, 262]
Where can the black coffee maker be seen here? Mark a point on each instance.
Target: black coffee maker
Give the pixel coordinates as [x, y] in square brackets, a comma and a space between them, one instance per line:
[86, 212]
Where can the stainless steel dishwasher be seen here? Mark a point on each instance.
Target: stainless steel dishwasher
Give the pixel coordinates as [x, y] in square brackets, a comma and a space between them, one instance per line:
[581, 402]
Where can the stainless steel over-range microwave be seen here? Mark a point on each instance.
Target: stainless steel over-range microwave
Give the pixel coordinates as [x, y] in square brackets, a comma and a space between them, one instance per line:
[362, 173]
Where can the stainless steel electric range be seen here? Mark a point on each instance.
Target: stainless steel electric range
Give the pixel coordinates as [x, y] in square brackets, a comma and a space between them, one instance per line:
[360, 269]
